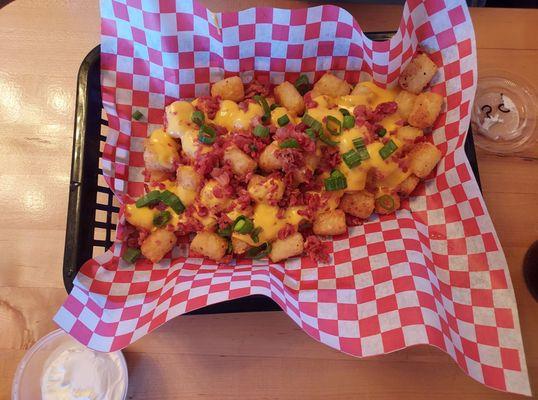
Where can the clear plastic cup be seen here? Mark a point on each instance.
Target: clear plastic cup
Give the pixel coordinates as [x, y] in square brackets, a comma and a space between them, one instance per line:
[27, 380]
[503, 118]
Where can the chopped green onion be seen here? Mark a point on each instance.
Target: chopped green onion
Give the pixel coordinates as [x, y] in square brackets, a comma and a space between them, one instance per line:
[327, 140]
[386, 202]
[260, 251]
[389, 148]
[351, 158]
[382, 132]
[283, 120]
[349, 122]
[225, 232]
[344, 111]
[302, 85]
[336, 181]
[311, 122]
[273, 106]
[172, 201]
[161, 219]
[363, 153]
[207, 135]
[131, 254]
[266, 110]
[254, 234]
[137, 115]
[289, 144]
[230, 247]
[311, 133]
[198, 117]
[261, 131]
[149, 199]
[243, 225]
[358, 143]
[333, 125]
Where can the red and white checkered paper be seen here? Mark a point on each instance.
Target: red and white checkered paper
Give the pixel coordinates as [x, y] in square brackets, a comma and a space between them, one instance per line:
[434, 273]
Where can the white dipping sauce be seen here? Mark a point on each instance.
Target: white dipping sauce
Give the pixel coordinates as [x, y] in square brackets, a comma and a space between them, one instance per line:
[74, 372]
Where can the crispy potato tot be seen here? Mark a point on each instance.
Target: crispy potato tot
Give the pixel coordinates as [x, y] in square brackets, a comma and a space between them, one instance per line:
[417, 74]
[178, 118]
[408, 185]
[423, 158]
[330, 201]
[160, 152]
[365, 91]
[268, 161]
[157, 244]
[386, 203]
[188, 178]
[265, 190]
[238, 246]
[208, 198]
[157, 176]
[282, 249]
[240, 161]
[229, 89]
[332, 86]
[359, 204]
[330, 223]
[209, 245]
[405, 101]
[287, 96]
[425, 110]
[408, 133]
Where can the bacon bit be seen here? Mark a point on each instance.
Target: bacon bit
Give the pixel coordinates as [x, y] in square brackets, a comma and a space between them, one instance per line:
[289, 132]
[330, 159]
[243, 106]
[205, 162]
[250, 144]
[301, 127]
[143, 234]
[316, 249]
[383, 110]
[353, 221]
[291, 160]
[288, 230]
[203, 211]
[243, 199]
[308, 101]
[161, 206]
[223, 221]
[208, 105]
[222, 175]
[281, 213]
[256, 88]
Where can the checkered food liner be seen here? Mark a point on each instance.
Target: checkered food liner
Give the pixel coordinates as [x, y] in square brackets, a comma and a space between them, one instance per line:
[433, 273]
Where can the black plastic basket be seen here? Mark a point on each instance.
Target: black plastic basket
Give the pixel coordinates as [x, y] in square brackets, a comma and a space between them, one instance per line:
[92, 211]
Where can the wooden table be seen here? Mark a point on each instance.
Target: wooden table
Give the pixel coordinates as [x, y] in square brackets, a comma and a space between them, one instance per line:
[239, 356]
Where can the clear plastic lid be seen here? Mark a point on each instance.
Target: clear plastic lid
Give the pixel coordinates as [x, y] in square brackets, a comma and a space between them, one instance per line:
[503, 118]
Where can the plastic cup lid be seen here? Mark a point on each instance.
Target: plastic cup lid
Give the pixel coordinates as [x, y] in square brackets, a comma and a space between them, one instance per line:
[503, 118]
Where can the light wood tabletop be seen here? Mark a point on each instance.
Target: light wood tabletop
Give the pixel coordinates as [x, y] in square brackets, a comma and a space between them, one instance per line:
[239, 356]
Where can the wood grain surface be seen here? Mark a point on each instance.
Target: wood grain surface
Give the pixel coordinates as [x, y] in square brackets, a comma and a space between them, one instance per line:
[233, 356]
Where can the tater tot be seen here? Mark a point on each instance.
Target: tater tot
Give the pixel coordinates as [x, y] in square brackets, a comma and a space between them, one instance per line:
[240, 161]
[188, 178]
[287, 96]
[265, 189]
[386, 203]
[282, 249]
[157, 244]
[418, 73]
[330, 223]
[268, 161]
[229, 89]
[408, 185]
[161, 151]
[210, 200]
[423, 158]
[238, 246]
[332, 86]
[408, 133]
[405, 101]
[359, 204]
[157, 175]
[209, 245]
[365, 91]
[425, 110]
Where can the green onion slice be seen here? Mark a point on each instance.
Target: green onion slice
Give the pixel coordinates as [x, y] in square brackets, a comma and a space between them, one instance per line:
[327, 140]
[137, 115]
[259, 252]
[266, 117]
[198, 117]
[131, 254]
[348, 122]
[358, 143]
[151, 198]
[273, 106]
[344, 111]
[381, 132]
[283, 120]
[207, 135]
[363, 154]
[333, 125]
[389, 148]
[261, 131]
[311, 133]
[255, 234]
[226, 232]
[386, 202]
[302, 84]
[161, 219]
[352, 159]
[243, 225]
[311, 122]
[289, 144]
[172, 201]
[336, 181]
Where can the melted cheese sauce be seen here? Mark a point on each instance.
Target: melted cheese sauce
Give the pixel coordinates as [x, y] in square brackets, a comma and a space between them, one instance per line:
[163, 147]
[232, 117]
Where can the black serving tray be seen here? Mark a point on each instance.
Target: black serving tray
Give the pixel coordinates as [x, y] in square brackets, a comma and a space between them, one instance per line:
[92, 210]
